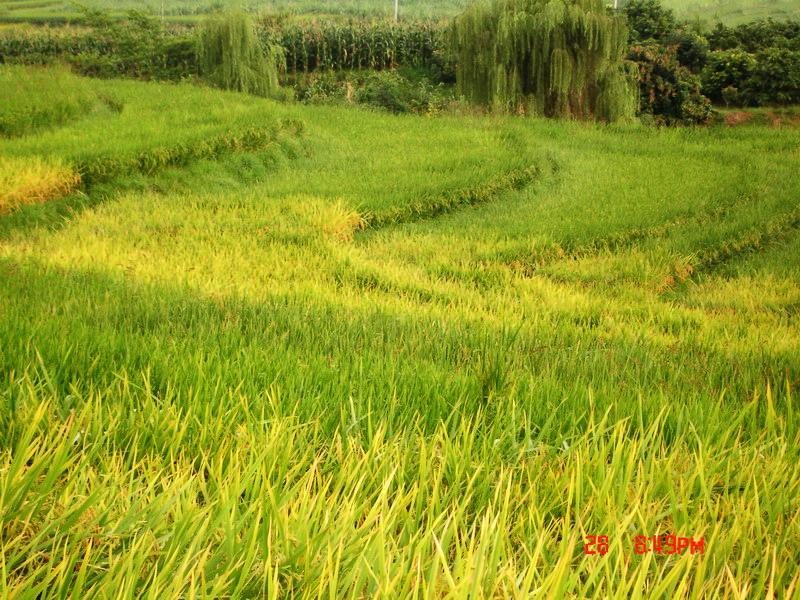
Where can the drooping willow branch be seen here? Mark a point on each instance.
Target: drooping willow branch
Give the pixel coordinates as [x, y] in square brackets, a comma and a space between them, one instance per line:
[233, 57]
[561, 58]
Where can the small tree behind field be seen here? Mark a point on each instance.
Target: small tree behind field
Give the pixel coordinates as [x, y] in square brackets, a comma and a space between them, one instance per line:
[233, 57]
[561, 58]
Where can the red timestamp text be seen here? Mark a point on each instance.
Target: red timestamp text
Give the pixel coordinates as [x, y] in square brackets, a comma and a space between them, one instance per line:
[655, 544]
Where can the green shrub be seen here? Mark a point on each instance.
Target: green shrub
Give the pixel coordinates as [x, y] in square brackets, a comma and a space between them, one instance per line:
[756, 35]
[775, 79]
[727, 68]
[649, 21]
[395, 91]
[326, 87]
[668, 91]
[130, 47]
[691, 49]
[731, 96]
[389, 91]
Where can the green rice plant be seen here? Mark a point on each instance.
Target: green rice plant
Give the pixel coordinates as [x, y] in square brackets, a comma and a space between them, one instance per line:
[128, 134]
[36, 99]
[216, 380]
[99, 169]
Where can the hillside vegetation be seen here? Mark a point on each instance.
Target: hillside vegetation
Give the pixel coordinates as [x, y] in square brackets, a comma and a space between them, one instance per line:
[730, 12]
[366, 355]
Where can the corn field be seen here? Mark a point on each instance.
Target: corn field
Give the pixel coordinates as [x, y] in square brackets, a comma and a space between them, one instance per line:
[328, 45]
[309, 46]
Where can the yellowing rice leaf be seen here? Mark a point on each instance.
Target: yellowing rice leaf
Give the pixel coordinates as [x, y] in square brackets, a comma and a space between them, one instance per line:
[31, 180]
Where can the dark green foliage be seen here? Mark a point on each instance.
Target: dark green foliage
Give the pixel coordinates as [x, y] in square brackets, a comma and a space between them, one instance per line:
[755, 36]
[754, 64]
[648, 20]
[736, 77]
[137, 46]
[691, 49]
[553, 57]
[231, 56]
[722, 37]
[727, 69]
[668, 91]
[775, 77]
[398, 91]
[391, 91]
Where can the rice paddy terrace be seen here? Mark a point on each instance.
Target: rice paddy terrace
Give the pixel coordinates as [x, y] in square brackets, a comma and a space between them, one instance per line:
[251, 349]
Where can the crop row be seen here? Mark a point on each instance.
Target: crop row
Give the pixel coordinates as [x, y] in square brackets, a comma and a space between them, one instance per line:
[434, 205]
[528, 264]
[93, 170]
[359, 45]
[308, 46]
[31, 180]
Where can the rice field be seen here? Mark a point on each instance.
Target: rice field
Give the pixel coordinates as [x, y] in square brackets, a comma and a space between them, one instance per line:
[364, 355]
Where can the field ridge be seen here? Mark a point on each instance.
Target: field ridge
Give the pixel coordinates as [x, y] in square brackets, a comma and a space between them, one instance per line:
[148, 162]
[712, 258]
[621, 240]
[432, 206]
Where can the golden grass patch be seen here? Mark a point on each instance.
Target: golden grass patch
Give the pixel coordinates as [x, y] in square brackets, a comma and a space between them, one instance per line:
[32, 180]
[333, 219]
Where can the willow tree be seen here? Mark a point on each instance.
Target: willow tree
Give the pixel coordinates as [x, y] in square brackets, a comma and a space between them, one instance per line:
[232, 56]
[562, 58]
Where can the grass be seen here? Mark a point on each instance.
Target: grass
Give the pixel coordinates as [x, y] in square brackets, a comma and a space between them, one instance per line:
[401, 356]
[125, 132]
[188, 11]
[733, 12]
[36, 99]
[32, 180]
[730, 12]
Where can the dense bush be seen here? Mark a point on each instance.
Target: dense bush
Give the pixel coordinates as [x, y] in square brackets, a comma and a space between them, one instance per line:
[775, 77]
[137, 46]
[691, 49]
[393, 92]
[755, 36]
[397, 91]
[750, 64]
[668, 91]
[771, 76]
[727, 69]
[649, 21]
